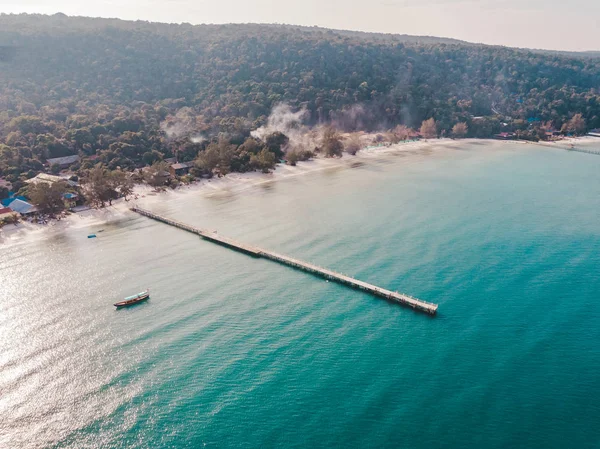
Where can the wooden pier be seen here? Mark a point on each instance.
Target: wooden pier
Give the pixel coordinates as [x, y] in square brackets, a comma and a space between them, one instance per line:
[585, 150]
[213, 236]
[558, 146]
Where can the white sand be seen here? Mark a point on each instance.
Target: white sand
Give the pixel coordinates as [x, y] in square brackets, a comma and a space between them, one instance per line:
[146, 197]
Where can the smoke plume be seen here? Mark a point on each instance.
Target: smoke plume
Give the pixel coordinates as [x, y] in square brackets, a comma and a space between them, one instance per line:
[183, 123]
[283, 119]
[303, 137]
[356, 117]
[197, 139]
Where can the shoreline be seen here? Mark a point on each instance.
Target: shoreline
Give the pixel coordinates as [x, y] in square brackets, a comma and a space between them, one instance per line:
[147, 197]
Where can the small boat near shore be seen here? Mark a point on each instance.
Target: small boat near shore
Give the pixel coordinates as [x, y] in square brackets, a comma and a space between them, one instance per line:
[134, 299]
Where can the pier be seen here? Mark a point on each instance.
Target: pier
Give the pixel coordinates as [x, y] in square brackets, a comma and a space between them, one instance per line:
[570, 148]
[213, 236]
[584, 150]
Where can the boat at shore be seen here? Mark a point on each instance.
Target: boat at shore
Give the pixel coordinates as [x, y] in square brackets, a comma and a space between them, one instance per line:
[134, 299]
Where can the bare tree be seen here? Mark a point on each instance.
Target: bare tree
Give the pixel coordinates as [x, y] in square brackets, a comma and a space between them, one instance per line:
[577, 124]
[429, 128]
[402, 132]
[332, 144]
[292, 158]
[460, 130]
[353, 144]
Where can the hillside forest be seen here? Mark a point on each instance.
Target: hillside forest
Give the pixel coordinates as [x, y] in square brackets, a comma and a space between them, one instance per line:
[128, 95]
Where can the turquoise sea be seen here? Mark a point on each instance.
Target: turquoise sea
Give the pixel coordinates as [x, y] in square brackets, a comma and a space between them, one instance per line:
[236, 352]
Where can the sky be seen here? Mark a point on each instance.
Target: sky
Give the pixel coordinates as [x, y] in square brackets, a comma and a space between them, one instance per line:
[544, 24]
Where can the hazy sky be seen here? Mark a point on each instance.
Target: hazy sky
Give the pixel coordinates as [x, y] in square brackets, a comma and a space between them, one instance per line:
[551, 24]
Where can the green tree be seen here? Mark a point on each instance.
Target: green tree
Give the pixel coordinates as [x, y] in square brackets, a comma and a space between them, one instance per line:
[265, 160]
[48, 197]
[150, 157]
[26, 124]
[251, 145]
[157, 174]
[121, 182]
[276, 143]
[98, 187]
[216, 158]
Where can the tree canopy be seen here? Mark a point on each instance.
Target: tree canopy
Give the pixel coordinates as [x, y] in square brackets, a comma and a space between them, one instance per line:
[130, 94]
[48, 198]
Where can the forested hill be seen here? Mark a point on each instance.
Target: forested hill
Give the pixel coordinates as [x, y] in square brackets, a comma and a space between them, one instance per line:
[104, 87]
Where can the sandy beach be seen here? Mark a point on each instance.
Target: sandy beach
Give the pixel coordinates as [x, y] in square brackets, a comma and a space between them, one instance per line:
[146, 197]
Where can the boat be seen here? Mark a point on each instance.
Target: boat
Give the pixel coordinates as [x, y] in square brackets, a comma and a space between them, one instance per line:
[133, 299]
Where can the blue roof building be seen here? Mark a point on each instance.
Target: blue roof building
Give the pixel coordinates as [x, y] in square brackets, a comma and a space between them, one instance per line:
[6, 202]
[22, 207]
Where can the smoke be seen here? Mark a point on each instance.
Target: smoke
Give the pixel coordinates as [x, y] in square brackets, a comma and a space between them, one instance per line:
[406, 115]
[356, 117]
[183, 123]
[283, 119]
[197, 139]
[302, 137]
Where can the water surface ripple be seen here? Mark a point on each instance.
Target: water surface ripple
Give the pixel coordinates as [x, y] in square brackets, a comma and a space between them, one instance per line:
[232, 351]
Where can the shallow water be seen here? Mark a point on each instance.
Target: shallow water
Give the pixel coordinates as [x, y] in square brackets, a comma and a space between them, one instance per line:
[232, 351]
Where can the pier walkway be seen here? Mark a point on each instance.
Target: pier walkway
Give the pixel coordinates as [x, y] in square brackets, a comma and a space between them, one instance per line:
[585, 150]
[569, 148]
[213, 236]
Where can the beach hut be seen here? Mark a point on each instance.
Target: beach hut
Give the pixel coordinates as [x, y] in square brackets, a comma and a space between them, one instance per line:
[23, 207]
[50, 179]
[6, 201]
[6, 211]
[7, 215]
[180, 169]
[70, 200]
[63, 162]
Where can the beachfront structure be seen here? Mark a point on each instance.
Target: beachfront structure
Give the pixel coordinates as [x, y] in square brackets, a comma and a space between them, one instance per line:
[594, 133]
[70, 200]
[330, 275]
[505, 136]
[50, 179]
[7, 212]
[23, 207]
[180, 169]
[63, 162]
[6, 201]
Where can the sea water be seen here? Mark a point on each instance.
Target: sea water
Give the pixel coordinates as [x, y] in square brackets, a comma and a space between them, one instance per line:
[233, 351]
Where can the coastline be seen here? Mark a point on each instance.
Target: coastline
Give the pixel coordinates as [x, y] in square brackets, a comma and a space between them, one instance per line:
[147, 197]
